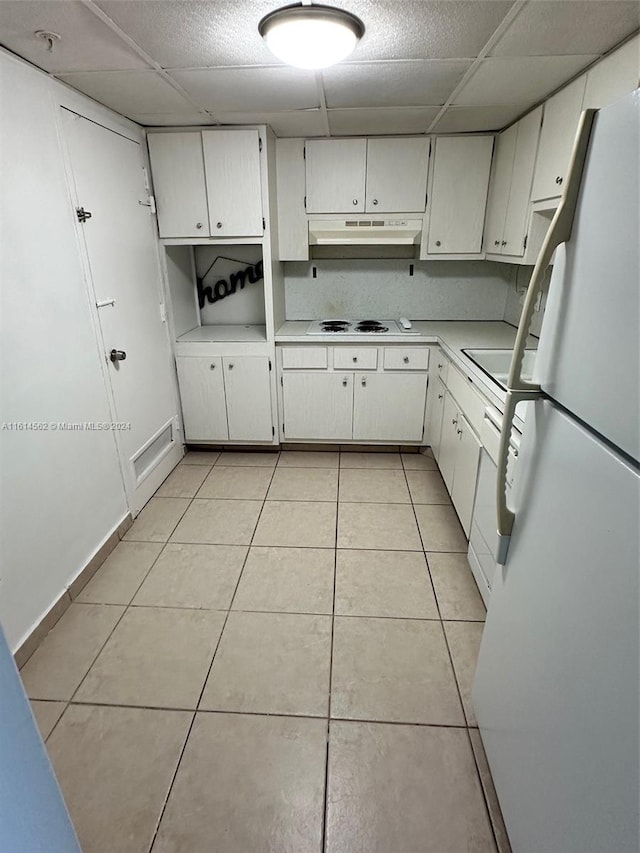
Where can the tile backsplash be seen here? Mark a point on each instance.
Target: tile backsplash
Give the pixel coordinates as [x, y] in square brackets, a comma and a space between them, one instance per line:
[437, 290]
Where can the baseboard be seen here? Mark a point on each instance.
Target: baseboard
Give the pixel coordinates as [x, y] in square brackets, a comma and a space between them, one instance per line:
[31, 643]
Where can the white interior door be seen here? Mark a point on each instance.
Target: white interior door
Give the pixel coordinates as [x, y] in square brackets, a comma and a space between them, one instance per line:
[124, 278]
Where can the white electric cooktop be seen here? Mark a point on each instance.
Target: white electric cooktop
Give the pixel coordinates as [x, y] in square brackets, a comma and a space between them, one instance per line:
[337, 327]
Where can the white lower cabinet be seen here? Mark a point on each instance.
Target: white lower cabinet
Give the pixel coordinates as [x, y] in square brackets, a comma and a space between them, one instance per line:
[248, 395]
[458, 460]
[317, 406]
[389, 407]
[435, 406]
[225, 398]
[448, 441]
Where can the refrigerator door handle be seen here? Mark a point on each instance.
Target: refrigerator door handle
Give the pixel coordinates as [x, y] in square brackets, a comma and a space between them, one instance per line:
[506, 516]
[559, 232]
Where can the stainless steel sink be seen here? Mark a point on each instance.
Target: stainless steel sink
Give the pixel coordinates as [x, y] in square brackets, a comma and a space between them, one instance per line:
[496, 362]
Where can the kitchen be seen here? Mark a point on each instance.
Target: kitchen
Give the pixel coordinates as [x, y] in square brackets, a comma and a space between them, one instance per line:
[241, 194]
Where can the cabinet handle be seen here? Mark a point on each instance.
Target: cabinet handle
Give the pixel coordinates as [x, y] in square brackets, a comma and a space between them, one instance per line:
[406, 359]
[440, 366]
[440, 396]
[231, 367]
[459, 431]
[355, 358]
[496, 242]
[218, 224]
[438, 243]
[344, 383]
[504, 242]
[558, 180]
[355, 201]
[198, 225]
[454, 421]
[212, 367]
[375, 201]
[364, 383]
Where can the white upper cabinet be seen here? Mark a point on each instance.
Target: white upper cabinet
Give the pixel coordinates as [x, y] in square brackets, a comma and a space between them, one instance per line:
[178, 180]
[397, 175]
[510, 194]
[385, 175]
[232, 171]
[500, 186]
[614, 76]
[336, 171]
[561, 115]
[458, 201]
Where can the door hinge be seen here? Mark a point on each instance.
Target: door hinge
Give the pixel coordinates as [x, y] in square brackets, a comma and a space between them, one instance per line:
[305, 202]
[283, 428]
[264, 224]
[151, 204]
[269, 364]
[304, 152]
[259, 143]
[526, 237]
[83, 214]
[281, 382]
[273, 430]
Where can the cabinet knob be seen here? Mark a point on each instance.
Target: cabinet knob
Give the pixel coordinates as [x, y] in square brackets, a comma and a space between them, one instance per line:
[406, 359]
[496, 242]
[231, 367]
[344, 383]
[212, 367]
[454, 421]
[355, 358]
[198, 225]
[218, 224]
[364, 383]
[355, 201]
[375, 201]
[438, 243]
[440, 396]
[504, 242]
[459, 431]
[440, 366]
[558, 180]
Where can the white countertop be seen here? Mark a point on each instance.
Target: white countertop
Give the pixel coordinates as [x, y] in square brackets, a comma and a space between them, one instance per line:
[216, 333]
[452, 335]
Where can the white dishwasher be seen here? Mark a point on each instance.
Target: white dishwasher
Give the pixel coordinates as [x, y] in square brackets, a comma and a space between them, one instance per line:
[483, 540]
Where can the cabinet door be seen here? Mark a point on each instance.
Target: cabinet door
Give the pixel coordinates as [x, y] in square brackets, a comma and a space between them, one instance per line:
[520, 192]
[466, 473]
[613, 77]
[499, 191]
[202, 396]
[448, 441]
[177, 168]
[232, 169]
[318, 405]
[459, 194]
[336, 175]
[397, 175]
[389, 407]
[248, 392]
[561, 114]
[435, 407]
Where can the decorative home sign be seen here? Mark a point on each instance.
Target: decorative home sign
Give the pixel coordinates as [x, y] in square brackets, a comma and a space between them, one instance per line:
[222, 288]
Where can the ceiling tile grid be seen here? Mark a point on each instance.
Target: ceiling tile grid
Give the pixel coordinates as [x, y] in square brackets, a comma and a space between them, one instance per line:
[448, 65]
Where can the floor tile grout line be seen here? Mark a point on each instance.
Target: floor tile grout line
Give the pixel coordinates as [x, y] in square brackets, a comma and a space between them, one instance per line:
[206, 678]
[485, 798]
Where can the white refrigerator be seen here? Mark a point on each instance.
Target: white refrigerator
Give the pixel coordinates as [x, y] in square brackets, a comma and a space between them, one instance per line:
[556, 690]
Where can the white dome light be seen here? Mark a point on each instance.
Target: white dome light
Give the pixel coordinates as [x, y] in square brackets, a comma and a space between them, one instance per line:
[311, 36]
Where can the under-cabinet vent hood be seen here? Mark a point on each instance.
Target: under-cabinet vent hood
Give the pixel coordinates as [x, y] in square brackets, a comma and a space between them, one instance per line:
[363, 232]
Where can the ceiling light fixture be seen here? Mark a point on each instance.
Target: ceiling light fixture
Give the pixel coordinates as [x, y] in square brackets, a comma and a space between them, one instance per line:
[311, 36]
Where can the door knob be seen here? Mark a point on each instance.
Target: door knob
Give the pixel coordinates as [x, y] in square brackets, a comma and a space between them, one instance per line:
[117, 355]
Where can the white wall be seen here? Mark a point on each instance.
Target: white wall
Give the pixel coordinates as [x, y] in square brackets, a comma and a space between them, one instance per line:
[438, 290]
[61, 492]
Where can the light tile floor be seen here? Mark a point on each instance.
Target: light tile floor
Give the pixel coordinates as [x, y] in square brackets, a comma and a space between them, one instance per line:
[277, 658]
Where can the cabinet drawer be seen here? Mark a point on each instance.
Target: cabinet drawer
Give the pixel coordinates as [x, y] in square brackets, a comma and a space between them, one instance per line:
[360, 358]
[304, 357]
[469, 400]
[406, 358]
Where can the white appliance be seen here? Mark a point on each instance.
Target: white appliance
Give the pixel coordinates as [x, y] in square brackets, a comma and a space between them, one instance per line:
[363, 231]
[338, 327]
[483, 539]
[556, 690]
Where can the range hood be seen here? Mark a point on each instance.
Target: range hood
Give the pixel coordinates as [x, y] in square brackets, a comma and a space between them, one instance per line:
[364, 232]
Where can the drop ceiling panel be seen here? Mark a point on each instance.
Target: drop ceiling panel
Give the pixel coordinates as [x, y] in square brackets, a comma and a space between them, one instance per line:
[270, 89]
[415, 29]
[296, 123]
[130, 92]
[476, 119]
[366, 122]
[549, 27]
[86, 42]
[521, 81]
[392, 84]
[172, 119]
[195, 34]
